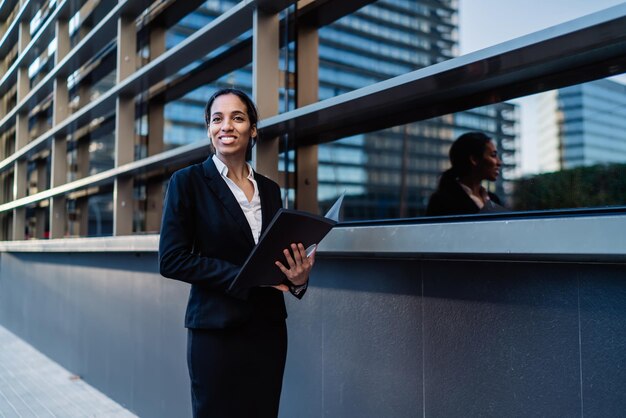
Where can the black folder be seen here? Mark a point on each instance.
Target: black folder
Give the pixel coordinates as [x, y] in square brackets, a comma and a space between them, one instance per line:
[288, 226]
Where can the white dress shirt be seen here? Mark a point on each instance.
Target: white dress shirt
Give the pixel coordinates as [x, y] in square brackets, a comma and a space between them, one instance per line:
[251, 209]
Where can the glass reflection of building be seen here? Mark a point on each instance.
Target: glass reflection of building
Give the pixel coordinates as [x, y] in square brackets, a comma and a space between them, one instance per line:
[389, 173]
[582, 125]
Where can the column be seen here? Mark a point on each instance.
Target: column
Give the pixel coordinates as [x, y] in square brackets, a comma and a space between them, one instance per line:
[21, 139]
[124, 128]
[58, 155]
[307, 63]
[156, 126]
[265, 84]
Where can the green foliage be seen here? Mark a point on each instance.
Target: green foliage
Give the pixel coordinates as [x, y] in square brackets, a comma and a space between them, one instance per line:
[594, 186]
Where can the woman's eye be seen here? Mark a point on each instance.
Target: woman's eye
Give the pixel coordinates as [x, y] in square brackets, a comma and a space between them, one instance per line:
[238, 118]
[215, 120]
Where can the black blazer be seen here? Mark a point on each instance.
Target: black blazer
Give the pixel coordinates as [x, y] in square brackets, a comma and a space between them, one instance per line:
[205, 239]
[453, 200]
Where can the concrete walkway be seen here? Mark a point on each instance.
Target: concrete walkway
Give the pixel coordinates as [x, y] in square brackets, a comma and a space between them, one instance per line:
[32, 385]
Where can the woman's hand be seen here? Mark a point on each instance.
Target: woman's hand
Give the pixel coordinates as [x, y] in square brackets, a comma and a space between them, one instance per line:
[299, 264]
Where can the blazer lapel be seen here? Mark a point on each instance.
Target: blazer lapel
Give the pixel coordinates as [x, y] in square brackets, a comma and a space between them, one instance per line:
[225, 195]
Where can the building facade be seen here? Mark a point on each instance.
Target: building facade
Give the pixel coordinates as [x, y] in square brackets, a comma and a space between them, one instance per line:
[582, 125]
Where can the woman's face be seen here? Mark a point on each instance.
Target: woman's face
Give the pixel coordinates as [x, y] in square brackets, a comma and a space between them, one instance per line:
[229, 126]
[488, 166]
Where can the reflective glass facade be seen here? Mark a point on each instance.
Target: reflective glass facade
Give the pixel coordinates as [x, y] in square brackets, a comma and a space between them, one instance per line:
[398, 168]
[100, 102]
[389, 173]
[583, 125]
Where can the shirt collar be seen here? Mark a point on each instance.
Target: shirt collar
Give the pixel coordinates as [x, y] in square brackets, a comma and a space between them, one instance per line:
[223, 169]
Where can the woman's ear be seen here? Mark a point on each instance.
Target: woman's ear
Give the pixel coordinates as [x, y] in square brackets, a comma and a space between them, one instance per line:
[473, 161]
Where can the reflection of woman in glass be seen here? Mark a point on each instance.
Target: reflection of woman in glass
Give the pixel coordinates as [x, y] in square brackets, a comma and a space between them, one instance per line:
[474, 158]
[213, 216]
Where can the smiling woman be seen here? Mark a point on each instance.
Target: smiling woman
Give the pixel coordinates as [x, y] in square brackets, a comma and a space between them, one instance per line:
[474, 158]
[214, 214]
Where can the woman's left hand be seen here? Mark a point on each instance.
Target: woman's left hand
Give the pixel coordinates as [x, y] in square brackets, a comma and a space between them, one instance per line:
[299, 264]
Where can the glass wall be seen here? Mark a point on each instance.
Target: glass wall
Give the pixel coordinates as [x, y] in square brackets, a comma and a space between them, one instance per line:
[558, 149]
[574, 147]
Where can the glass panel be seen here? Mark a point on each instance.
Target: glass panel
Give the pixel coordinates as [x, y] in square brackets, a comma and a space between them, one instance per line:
[382, 40]
[84, 20]
[78, 212]
[100, 208]
[95, 77]
[559, 149]
[91, 149]
[392, 173]
[38, 221]
[6, 186]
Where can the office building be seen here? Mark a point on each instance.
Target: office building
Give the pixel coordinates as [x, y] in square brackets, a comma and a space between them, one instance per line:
[582, 125]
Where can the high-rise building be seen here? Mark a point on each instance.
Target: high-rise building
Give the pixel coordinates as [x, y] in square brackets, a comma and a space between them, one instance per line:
[389, 173]
[582, 125]
[393, 172]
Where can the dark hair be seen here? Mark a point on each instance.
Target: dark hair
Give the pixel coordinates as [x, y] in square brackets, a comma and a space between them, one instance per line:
[253, 114]
[470, 144]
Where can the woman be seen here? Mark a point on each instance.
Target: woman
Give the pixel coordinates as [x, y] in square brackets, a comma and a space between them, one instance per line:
[474, 158]
[213, 216]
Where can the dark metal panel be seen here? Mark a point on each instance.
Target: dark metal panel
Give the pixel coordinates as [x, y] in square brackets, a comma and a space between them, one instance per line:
[501, 340]
[359, 330]
[111, 320]
[370, 338]
[603, 340]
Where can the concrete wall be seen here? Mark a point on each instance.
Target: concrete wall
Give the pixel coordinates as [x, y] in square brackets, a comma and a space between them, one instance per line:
[372, 338]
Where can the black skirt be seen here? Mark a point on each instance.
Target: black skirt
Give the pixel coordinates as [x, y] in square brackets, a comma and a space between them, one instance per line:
[237, 372]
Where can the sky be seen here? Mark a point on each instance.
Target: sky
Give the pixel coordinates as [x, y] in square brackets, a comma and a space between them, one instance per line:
[484, 23]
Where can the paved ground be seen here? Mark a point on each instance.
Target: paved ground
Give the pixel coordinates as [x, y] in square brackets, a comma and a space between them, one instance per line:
[32, 385]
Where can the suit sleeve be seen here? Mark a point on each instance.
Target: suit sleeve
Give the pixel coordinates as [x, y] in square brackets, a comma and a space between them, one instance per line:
[177, 260]
[434, 205]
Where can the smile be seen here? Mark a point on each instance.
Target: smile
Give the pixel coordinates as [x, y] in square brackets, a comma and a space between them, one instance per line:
[227, 139]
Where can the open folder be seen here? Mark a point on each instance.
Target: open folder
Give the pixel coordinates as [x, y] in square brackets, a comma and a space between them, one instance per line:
[288, 226]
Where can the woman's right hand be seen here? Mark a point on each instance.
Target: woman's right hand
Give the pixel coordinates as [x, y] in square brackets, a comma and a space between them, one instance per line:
[299, 264]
